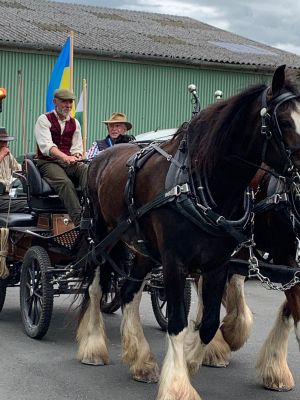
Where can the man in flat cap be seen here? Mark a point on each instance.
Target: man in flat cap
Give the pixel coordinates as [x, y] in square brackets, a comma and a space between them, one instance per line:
[117, 127]
[9, 165]
[60, 149]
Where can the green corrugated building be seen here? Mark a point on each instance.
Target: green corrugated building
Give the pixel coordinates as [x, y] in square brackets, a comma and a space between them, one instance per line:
[135, 62]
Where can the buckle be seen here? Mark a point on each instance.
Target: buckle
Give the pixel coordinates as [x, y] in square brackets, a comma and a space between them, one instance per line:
[178, 190]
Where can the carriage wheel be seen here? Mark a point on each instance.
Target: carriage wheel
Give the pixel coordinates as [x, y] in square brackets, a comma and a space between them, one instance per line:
[36, 292]
[159, 304]
[3, 286]
[111, 301]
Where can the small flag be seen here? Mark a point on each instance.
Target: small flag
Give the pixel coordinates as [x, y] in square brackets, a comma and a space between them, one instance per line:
[79, 110]
[61, 74]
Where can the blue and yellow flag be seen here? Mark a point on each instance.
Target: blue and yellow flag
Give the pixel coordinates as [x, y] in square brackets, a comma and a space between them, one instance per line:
[61, 74]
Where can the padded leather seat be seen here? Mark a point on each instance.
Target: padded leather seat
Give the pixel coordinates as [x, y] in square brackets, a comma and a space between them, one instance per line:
[41, 197]
[38, 185]
[17, 219]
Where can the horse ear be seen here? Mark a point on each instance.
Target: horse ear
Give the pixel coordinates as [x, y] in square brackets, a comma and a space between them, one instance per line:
[278, 80]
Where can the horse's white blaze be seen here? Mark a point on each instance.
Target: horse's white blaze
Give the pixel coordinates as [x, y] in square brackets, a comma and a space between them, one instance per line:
[237, 323]
[272, 361]
[135, 348]
[174, 381]
[91, 334]
[296, 118]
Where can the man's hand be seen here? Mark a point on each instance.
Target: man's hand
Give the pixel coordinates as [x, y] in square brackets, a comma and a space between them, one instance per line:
[4, 151]
[78, 156]
[70, 159]
[55, 152]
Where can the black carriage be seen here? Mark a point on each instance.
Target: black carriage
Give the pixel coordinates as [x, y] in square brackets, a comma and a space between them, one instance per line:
[42, 251]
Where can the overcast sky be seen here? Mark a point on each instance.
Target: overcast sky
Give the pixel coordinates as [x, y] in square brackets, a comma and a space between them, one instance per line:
[273, 22]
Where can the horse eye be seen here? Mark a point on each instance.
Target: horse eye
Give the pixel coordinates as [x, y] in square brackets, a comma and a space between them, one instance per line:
[286, 124]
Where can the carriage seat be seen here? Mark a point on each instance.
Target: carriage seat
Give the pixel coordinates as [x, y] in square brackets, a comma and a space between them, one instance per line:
[37, 185]
[41, 197]
[17, 219]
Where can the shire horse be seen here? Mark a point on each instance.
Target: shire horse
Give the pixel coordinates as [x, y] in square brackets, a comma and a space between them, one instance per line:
[276, 232]
[157, 201]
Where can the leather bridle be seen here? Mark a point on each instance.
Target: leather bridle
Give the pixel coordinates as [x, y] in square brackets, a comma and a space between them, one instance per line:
[270, 127]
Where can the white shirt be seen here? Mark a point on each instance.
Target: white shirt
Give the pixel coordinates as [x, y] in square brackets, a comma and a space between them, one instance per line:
[44, 138]
[7, 166]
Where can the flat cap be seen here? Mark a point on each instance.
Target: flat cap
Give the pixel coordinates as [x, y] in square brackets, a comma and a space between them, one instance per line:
[64, 94]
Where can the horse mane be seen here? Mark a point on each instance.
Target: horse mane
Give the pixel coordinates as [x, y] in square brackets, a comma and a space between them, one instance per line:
[210, 132]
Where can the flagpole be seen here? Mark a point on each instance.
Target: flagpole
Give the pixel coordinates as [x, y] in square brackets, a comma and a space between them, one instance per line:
[84, 116]
[71, 59]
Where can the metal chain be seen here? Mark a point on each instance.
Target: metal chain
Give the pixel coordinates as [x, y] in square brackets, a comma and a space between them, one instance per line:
[254, 271]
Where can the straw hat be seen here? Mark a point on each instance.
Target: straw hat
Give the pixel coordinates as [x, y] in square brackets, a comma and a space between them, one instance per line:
[4, 136]
[118, 118]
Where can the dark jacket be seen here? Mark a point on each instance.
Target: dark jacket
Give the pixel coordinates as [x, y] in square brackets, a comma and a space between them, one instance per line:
[108, 142]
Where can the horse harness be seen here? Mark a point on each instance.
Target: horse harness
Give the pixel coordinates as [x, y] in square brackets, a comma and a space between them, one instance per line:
[191, 202]
[196, 204]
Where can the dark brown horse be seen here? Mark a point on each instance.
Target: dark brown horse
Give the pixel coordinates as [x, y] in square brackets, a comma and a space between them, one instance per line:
[276, 233]
[183, 204]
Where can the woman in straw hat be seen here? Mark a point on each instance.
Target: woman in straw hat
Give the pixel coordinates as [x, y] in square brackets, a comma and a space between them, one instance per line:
[117, 126]
[9, 165]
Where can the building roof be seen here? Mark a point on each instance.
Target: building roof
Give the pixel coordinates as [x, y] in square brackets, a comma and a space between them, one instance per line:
[117, 33]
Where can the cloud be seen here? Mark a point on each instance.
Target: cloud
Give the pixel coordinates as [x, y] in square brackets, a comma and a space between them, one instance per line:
[288, 47]
[204, 13]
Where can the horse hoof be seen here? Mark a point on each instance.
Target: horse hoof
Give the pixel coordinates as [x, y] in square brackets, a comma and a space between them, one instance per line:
[146, 378]
[278, 388]
[222, 364]
[96, 362]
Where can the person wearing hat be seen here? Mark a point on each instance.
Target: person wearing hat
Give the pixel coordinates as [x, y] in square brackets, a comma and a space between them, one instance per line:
[117, 126]
[59, 152]
[9, 165]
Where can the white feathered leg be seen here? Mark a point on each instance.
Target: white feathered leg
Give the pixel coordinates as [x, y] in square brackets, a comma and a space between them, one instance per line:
[174, 381]
[237, 323]
[217, 352]
[193, 348]
[92, 342]
[135, 348]
[272, 361]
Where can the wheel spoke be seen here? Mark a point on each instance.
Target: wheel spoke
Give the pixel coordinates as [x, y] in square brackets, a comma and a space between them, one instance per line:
[161, 306]
[30, 307]
[36, 313]
[31, 274]
[37, 293]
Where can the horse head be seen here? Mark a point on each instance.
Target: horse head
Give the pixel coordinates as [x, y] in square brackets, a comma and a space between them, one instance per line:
[234, 136]
[280, 115]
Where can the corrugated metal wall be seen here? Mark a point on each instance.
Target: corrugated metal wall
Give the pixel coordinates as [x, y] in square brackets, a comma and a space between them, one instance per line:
[152, 96]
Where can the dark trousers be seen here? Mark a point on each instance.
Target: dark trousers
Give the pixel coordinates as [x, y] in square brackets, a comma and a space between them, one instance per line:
[14, 205]
[63, 178]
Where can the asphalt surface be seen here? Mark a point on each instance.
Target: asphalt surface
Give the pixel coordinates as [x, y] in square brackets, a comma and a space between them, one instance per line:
[48, 369]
